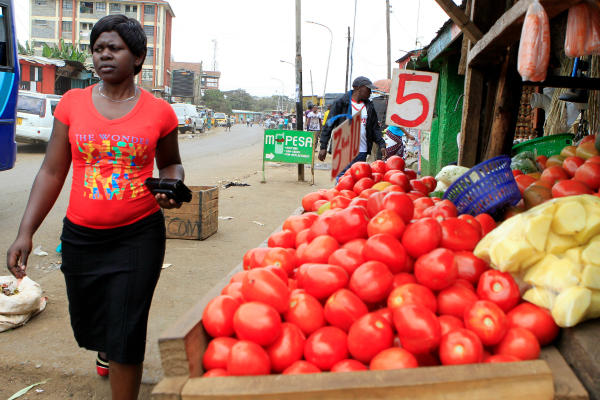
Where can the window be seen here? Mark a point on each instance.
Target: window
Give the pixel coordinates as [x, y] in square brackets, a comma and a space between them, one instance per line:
[85, 26]
[67, 26]
[149, 30]
[86, 7]
[150, 52]
[149, 10]
[35, 74]
[41, 2]
[53, 104]
[30, 105]
[115, 7]
[84, 47]
[130, 8]
[40, 22]
[5, 36]
[147, 75]
[100, 7]
[67, 5]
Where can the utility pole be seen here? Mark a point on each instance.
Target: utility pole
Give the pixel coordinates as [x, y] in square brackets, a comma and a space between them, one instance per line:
[389, 51]
[214, 54]
[347, 62]
[299, 110]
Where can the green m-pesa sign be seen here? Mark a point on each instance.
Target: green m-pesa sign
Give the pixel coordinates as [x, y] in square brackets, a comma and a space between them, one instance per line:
[288, 146]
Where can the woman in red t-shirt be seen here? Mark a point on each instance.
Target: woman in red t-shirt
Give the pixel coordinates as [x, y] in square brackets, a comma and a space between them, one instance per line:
[113, 238]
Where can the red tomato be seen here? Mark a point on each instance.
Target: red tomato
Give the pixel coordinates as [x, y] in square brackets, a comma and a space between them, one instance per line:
[444, 209]
[460, 346]
[519, 342]
[535, 319]
[588, 138]
[470, 267]
[288, 348]
[319, 250]
[343, 308]
[348, 365]
[350, 223]
[348, 193]
[325, 347]
[473, 221]
[389, 173]
[419, 186]
[363, 184]
[375, 203]
[516, 172]
[217, 352]
[317, 204]
[257, 322]
[301, 367]
[377, 177]
[410, 173]
[394, 358]
[402, 278]
[400, 179]
[345, 183]
[523, 182]
[418, 328]
[248, 358]
[296, 223]
[357, 245]
[449, 323]
[378, 166]
[421, 237]
[234, 289]
[322, 280]
[302, 237]
[386, 249]
[211, 373]
[372, 281]
[360, 170]
[369, 335]
[284, 238]
[217, 317]
[321, 225]
[400, 203]
[589, 173]
[436, 269]
[306, 312]
[430, 182]
[553, 174]
[280, 257]
[329, 194]
[594, 159]
[309, 199]
[386, 314]
[359, 202]
[253, 257]
[421, 204]
[367, 192]
[238, 276]
[346, 259]
[454, 300]
[264, 286]
[570, 187]
[500, 358]
[386, 221]
[458, 234]
[541, 160]
[487, 223]
[487, 320]
[571, 164]
[395, 162]
[500, 288]
[339, 202]
[412, 293]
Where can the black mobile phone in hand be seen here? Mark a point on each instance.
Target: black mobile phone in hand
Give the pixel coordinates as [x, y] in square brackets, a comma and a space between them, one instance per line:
[174, 189]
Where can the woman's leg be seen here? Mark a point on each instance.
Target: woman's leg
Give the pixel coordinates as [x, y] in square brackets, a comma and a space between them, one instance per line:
[125, 380]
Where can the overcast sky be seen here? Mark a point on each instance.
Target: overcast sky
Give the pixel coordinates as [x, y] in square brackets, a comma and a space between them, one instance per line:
[253, 36]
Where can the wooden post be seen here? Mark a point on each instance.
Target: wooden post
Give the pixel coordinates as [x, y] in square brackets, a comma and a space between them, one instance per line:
[299, 110]
[469, 29]
[467, 152]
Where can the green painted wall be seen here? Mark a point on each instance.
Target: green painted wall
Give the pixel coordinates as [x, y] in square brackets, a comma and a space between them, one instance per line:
[447, 118]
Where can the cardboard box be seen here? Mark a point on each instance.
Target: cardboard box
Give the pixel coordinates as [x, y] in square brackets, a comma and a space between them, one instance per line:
[197, 219]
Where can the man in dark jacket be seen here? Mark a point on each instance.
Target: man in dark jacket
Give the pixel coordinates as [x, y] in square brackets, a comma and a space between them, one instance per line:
[355, 101]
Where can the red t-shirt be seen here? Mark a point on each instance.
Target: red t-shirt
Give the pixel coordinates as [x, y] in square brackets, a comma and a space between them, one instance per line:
[112, 158]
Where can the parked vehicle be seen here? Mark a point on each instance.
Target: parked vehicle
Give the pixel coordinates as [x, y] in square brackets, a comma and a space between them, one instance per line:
[188, 117]
[35, 116]
[220, 119]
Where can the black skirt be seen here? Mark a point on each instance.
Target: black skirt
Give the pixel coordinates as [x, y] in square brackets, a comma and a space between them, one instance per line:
[110, 276]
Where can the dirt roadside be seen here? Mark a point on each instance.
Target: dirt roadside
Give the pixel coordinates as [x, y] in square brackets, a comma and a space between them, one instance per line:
[45, 348]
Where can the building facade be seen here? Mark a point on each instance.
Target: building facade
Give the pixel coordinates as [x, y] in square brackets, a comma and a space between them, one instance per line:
[72, 21]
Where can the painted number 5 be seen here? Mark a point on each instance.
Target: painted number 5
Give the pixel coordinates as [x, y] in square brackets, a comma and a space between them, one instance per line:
[402, 98]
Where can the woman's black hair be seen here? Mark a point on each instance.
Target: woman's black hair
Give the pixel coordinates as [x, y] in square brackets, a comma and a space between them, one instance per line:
[128, 29]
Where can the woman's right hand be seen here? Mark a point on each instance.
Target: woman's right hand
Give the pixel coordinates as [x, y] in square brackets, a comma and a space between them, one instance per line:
[18, 253]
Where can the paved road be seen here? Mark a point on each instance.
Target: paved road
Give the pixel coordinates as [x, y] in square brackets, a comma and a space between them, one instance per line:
[45, 348]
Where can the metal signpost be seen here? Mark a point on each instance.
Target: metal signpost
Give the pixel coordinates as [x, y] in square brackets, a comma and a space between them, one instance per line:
[294, 147]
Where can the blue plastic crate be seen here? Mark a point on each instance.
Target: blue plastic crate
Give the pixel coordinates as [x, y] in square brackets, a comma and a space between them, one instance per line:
[485, 188]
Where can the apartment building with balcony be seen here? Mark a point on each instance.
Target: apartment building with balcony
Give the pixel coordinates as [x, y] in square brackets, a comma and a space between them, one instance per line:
[72, 21]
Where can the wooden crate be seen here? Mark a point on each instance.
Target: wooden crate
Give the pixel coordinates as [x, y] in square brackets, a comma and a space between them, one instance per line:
[182, 346]
[197, 219]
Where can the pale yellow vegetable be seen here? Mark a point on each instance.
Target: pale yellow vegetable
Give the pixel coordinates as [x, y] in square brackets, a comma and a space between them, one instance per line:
[569, 218]
[592, 223]
[537, 228]
[554, 273]
[571, 305]
[591, 253]
[540, 297]
[558, 244]
[590, 277]
[574, 254]
[593, 310]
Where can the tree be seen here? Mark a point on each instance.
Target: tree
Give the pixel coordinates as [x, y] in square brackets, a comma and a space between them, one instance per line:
[26, 50]
[215, 100]
[65, 51]
[239, 99]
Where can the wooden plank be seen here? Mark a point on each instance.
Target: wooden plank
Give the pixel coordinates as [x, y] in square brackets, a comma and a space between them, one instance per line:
[579, 347]
[466, 44]
[566, 384]
[568, 82]
[467, 152]
[169, 388]
[527, 380]
[507, 30]
[465, 24]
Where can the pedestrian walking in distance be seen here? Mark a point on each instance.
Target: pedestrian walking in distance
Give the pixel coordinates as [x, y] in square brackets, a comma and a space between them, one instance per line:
[113, 238]
[346, 106]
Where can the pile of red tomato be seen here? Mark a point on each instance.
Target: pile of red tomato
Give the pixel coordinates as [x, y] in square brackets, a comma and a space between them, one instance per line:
[381, 280]
[576, 170]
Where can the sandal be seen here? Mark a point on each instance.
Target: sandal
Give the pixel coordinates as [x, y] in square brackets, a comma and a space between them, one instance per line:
[101, 366]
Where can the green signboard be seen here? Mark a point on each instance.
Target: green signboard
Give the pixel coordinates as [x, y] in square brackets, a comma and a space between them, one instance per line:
[288, 146]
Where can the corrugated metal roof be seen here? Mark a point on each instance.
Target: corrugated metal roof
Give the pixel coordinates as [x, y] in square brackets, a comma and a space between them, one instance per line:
[43, 60]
